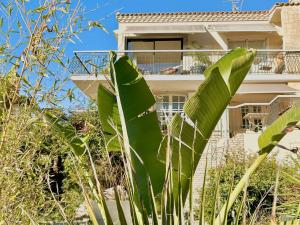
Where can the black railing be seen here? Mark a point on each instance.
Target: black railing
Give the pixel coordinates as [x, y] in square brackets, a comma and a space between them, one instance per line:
[184, 62]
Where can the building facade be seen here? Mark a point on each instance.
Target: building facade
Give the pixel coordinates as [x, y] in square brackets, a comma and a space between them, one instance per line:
[172, 50]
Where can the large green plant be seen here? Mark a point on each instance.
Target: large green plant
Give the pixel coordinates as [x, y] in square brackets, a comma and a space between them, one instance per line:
[130, 103]
[156, 165]
[166, 212]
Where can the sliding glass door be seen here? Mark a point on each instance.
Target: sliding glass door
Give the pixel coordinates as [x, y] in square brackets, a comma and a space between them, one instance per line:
[150, 62]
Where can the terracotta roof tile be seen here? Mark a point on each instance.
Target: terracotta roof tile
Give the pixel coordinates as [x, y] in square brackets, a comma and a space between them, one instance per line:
[287, 4]
[192, 17]
[198, 16]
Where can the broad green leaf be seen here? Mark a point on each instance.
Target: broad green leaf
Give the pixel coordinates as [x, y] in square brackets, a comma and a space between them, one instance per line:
[205, 108]
[66, 131]
[140, 127]
[109, 118]
[277, 130]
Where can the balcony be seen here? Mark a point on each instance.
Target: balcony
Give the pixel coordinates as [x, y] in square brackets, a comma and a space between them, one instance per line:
[184, 62]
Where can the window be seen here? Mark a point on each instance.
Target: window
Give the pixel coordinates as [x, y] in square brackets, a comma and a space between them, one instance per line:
[167, 106]
[154, 63]
[177, 103]
[255, 123]
[244, 112]
[257, 109]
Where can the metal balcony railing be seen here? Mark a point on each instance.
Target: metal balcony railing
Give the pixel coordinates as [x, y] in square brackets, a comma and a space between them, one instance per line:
[258, 116]
[183, 62]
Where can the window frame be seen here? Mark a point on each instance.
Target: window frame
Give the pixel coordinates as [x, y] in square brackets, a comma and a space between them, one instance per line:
[168, 112]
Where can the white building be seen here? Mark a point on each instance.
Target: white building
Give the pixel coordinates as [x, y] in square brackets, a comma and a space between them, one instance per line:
[173, 49]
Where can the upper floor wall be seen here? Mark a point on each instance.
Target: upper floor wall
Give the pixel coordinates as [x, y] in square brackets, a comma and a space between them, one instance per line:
[277, 28]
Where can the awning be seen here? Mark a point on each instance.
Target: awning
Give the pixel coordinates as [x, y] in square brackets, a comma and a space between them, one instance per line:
[265, 89]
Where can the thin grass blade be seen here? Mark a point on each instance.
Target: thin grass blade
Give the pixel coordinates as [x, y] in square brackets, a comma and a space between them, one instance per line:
[121, 214]
[202, 207]
[153, 205]
[215, 200]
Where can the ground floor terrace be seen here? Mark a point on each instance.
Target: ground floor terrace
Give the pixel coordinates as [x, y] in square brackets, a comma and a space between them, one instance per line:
[244, 119]
[256, 104]
[238, 130]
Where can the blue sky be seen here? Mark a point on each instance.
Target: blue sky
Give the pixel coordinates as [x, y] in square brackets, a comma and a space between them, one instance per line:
[104, 10]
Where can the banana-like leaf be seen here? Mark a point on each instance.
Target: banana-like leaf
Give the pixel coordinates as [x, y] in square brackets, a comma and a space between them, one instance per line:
[279, 128]
[109, 118]
[140, 127]
[204, 109]
[267, 141]
[66, 131]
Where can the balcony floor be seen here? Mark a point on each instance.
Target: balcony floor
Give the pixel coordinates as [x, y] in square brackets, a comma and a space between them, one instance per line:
[181, 83]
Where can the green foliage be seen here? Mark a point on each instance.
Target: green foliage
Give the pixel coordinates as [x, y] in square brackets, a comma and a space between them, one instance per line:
[38, 177]
[260, 185]
[267, 141]
[108, 164]
[184, 142]
[28, 156]
[157, 180]
[291, 204]
[68, 132]
[143, 139]
[205, 108]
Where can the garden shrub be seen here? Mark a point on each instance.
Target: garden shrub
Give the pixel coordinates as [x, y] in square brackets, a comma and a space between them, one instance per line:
[260, 189]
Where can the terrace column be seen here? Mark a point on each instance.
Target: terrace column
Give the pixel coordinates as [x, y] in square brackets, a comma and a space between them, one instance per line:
[290, 20]
[121, 42]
